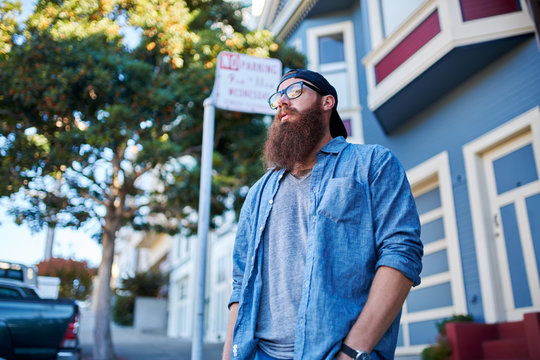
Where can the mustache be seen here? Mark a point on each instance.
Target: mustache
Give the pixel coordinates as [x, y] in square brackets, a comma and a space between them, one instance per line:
[288, 110]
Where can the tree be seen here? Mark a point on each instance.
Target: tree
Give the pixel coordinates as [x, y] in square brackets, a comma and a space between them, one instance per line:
[118, 129]
[75, 276]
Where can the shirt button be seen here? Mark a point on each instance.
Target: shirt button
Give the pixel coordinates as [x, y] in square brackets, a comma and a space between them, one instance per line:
[271, 202]
[262, 227]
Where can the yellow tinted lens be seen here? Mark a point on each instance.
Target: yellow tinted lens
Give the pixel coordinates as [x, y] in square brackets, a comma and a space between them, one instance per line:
[294, 91]
[273, 100]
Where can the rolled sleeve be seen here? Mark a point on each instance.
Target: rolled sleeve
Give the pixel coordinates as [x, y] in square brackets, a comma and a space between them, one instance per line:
[240, 252]
[396, 222]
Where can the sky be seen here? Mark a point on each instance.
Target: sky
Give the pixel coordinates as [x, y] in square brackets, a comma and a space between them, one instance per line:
[18, 244]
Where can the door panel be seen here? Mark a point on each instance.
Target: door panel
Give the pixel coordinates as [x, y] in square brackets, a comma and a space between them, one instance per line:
[513, 188]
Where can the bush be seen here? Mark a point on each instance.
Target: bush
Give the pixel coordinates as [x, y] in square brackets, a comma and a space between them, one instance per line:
[148, 283]
[145, 283]
[75, 276]
[122, 310]
[442, 350]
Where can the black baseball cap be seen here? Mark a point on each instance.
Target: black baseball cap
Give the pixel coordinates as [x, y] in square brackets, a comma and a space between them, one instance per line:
[337, 128]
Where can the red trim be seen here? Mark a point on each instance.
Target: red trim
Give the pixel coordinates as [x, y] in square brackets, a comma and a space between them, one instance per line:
[408, 46]
[478, 9]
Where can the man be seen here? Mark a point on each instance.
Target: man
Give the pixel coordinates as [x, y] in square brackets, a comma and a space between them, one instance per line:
[327, 246]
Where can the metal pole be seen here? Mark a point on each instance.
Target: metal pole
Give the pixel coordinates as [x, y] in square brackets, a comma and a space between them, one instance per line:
[203, 225]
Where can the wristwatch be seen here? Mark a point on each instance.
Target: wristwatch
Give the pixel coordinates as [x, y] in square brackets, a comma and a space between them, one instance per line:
[355, 354]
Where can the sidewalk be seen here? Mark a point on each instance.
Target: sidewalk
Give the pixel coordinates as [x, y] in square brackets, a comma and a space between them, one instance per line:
[131, 344]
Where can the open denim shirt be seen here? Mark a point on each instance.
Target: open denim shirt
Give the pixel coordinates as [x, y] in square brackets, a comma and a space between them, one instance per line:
[362, 215]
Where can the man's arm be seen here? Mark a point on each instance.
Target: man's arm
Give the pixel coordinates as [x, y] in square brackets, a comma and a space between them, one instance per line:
[233, 314]
[386, 296]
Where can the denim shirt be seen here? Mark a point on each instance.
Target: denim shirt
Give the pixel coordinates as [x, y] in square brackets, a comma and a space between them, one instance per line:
[362, 215]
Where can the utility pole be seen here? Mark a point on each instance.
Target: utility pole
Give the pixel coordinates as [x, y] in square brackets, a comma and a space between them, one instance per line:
[203, 225]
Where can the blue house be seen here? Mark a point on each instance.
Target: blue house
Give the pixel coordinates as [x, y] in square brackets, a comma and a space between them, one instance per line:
[452, 87]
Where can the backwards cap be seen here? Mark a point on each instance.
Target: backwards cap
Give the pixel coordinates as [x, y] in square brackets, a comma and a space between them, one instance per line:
[337, 128]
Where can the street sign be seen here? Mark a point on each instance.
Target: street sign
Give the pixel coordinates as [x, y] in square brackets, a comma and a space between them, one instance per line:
[244, 83]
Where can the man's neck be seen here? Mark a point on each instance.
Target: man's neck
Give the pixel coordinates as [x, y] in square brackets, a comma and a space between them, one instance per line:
[304, 167]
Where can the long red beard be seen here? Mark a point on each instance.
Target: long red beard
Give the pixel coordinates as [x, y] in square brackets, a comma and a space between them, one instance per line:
[291, 142]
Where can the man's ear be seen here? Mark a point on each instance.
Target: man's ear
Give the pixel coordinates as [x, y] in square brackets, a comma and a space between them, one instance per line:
[328, 102]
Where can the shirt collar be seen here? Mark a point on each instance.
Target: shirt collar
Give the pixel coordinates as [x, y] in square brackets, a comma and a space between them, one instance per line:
[335, 145]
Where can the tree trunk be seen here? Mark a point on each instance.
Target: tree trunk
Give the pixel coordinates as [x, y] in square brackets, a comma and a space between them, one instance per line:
[103, 346]
[50, 241]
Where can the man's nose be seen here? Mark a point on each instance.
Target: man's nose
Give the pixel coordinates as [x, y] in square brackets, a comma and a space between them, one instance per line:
[283, 99]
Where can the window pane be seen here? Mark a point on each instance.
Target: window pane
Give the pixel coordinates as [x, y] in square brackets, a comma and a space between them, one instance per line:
[331, 49]
[515, 169]
[533, 210]
[432, 231]
[7, 292]
[434, 263]
[431, 297]
[428, 201]
[516, 261]
[423, 332]
[394, 12]
[339, 80]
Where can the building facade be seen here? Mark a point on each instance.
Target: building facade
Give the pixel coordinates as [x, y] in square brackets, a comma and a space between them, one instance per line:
[452, 87]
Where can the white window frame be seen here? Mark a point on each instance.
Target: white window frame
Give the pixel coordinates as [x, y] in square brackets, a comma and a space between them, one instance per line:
[478, 198]
[350, 65]
[376, 25]
[427, 176]
[176, 305]
[454, 32]
[220, 281]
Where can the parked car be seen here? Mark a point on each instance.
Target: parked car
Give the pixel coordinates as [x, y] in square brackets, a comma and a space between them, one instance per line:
[34, 328]
[15, 271]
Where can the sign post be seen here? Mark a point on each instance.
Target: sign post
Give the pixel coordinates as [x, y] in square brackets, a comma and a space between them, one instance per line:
[243, 83]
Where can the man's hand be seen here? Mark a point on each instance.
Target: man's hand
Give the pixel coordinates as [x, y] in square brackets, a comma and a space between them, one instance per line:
[233, 313]
[386, 296]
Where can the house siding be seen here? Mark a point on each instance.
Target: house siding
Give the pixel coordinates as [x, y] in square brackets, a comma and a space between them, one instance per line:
[495, 95]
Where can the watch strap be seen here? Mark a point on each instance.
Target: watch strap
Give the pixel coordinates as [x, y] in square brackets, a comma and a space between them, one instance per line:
[349, 351]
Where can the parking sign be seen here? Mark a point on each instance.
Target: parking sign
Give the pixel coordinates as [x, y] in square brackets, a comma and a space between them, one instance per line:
[244, 83]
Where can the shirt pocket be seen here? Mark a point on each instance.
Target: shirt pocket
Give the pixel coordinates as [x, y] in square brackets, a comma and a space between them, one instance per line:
[342, 200]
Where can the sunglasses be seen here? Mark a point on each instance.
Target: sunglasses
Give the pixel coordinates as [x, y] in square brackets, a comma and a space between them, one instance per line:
[291, 92]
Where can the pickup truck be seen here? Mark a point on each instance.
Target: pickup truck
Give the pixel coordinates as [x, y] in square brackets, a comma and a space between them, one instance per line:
[34, 328]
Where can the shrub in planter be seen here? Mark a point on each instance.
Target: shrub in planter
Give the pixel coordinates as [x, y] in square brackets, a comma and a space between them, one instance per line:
[142, 284]
[122, 309]
[442, 350]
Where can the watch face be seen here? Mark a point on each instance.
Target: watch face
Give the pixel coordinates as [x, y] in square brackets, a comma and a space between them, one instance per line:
[363, 356]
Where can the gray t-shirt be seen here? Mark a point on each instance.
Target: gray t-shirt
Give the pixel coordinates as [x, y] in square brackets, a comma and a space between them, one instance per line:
[284, 246]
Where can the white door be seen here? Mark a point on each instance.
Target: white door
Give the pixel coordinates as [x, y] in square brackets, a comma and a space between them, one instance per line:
[513, 187]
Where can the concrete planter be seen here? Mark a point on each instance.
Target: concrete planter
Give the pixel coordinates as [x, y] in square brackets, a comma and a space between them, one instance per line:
[150, 314]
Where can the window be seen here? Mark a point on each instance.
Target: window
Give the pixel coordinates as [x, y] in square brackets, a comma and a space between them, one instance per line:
[182, 289]
[331, 48]
[181, 313]
[386, 16]
[14, 274]
[441, 292]
[331, 52]
[221, 270]
[9, 292]
[395, 12]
